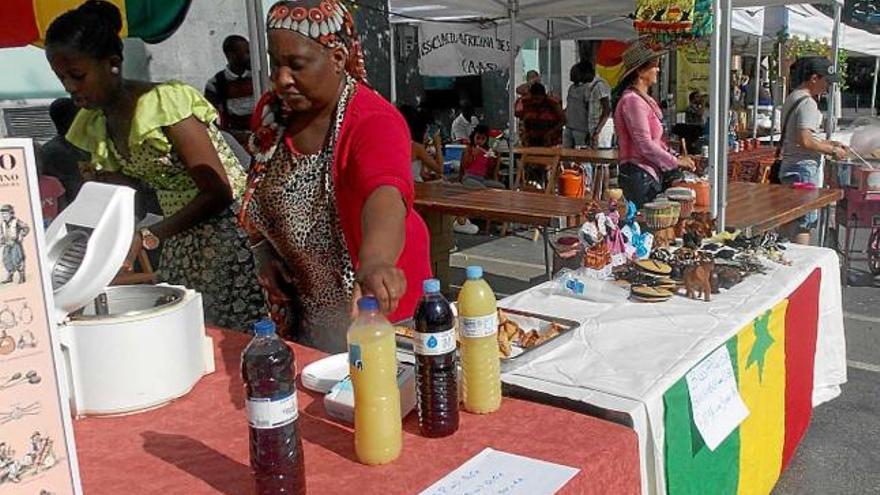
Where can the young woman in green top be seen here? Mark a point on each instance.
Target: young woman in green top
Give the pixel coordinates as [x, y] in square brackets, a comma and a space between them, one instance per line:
[162, 135]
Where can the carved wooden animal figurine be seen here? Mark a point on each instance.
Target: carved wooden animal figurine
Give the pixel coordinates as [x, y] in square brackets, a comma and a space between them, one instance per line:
[698, 281]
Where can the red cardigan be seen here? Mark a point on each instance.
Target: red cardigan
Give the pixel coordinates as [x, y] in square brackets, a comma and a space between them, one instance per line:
[373, 150]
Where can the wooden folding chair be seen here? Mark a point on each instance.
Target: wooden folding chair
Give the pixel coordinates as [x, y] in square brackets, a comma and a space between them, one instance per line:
[764, 168]
[550, 165]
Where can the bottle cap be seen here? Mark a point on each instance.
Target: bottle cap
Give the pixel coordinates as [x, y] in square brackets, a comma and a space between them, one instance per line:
[431, 286]
[474, 272]
[368, 303]
[264, 327]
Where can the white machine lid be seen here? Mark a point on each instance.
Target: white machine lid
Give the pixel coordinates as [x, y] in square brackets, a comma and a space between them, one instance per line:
[88, 242]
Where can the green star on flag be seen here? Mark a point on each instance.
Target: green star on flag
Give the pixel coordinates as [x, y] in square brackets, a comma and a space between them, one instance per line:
[763, 341]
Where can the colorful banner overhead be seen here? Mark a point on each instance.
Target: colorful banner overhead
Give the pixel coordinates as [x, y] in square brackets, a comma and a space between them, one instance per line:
[25, 22]
[692, 74]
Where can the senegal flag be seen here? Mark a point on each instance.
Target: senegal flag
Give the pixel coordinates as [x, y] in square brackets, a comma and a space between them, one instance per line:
[773, 361]
[25, 22]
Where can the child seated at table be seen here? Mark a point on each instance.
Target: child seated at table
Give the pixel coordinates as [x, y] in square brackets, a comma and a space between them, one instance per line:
[479, 165]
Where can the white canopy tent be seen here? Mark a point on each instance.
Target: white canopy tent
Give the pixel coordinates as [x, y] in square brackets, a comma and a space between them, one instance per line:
[806, 21]
[583, 12]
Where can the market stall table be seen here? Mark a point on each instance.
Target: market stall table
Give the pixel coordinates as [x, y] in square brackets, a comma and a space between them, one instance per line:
[199, 444]
[605, 156]
[757, 208]
[438, 200]
[632, 358]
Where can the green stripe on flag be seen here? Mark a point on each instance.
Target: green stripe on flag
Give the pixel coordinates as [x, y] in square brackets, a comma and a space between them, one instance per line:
[154, 20]
[691, 468]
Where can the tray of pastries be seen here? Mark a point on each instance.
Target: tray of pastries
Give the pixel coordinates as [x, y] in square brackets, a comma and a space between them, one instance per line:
[521, 335]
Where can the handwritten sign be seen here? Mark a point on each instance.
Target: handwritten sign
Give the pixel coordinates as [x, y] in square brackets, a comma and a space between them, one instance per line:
[718, 407]
[492, 472]
[37, 453]
[450, 50]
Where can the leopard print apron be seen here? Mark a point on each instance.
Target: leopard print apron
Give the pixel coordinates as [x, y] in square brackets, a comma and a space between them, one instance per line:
[294, 208]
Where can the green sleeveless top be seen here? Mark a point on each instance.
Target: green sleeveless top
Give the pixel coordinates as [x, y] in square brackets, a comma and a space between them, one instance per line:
[152, 157]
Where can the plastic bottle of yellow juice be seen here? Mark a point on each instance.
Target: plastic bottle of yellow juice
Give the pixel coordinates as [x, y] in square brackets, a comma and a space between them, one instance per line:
[480, 359]
[372, 358]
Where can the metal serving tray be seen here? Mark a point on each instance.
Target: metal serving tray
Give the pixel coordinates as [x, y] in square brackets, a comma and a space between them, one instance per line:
[527, 321]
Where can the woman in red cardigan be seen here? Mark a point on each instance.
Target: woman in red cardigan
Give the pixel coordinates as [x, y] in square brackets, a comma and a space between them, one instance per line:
[329, 204]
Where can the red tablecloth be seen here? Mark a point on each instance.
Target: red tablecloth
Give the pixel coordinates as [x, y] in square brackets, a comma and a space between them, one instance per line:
[199, 444]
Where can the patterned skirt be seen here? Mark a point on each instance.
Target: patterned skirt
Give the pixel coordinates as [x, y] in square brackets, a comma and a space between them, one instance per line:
[213, 258]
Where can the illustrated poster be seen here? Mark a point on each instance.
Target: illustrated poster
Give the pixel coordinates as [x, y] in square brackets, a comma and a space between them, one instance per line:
[37, 452]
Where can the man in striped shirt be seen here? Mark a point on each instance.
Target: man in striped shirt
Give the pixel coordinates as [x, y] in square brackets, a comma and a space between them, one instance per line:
[232, 90]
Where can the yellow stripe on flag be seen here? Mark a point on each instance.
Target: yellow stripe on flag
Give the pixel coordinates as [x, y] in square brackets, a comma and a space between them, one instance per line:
[47, 10]
[611, 74]
[761, 363]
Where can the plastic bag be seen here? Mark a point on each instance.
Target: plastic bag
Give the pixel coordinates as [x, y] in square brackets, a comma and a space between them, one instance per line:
[866, 138]
[583, 284]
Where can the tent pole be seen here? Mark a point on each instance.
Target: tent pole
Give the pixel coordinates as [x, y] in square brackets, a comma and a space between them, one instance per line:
[716, 80]
[724, 123]
[874, 87]
[549, 73]
[831, 124]
[393, 59]
[511, 95]
[719, 87]
[757, 82]
[257, 35]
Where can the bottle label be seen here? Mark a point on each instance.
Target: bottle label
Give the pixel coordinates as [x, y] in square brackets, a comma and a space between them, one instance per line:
[480, 326]
[434, 344]
[272, 413]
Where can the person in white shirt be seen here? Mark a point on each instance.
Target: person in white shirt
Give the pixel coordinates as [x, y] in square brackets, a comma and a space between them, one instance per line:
[599, 97]
[464, 125]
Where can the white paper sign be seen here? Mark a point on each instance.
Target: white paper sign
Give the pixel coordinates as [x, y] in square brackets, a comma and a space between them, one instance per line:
[493, 472]
[450, 50]
[718, 407]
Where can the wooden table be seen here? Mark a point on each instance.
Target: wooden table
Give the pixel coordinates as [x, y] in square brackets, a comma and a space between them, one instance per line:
[198, 444]
[438, 199]
[757, 208]
[606, 156]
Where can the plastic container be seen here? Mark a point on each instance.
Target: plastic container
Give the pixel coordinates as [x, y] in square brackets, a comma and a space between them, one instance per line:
[269, 373]
[434, 346]
[480, 358]
[571, 184]
[372, 363]
[701, 190]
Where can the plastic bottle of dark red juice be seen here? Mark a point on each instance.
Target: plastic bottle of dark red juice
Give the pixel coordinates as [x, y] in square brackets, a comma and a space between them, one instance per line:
[269, 372]
[434, 345]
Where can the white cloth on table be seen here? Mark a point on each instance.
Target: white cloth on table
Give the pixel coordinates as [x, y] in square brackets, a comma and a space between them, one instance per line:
[636, 352]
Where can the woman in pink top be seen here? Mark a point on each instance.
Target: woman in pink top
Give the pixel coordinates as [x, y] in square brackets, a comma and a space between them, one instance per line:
[645, 158]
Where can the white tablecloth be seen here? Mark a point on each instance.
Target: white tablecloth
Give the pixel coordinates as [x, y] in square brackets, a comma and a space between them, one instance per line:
[625, 356]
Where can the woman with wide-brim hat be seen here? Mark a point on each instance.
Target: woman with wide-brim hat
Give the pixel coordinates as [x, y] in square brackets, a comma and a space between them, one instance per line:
[644, 154]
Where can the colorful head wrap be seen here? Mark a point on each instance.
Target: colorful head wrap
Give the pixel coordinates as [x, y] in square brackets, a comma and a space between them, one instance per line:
[328, 22]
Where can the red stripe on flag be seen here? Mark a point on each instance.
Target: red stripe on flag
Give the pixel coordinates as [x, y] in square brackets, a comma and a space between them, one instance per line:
[801, 328]
[18, 26]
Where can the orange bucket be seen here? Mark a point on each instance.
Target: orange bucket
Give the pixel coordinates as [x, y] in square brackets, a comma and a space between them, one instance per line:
[701, 189]
[571, 184]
